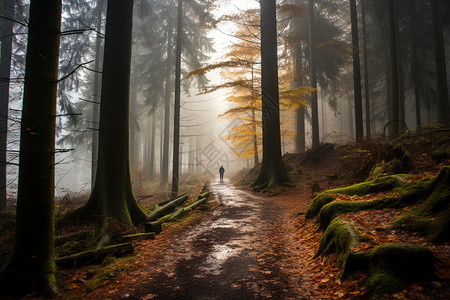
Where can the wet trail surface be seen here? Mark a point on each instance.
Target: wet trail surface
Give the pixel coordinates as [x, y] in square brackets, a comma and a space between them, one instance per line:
[235, 254]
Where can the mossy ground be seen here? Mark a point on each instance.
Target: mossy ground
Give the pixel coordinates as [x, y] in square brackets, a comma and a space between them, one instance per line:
[426, 204]
[389, 265]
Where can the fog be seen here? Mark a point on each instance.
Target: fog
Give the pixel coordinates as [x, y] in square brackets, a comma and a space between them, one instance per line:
[214, 33]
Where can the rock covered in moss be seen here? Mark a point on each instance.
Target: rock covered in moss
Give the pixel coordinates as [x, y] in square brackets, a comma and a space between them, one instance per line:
[389, 265]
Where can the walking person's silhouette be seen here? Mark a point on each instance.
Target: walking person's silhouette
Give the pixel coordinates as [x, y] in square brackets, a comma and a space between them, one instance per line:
[221, 172]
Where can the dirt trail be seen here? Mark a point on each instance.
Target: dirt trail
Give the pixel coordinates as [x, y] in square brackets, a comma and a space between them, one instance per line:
[232, 255]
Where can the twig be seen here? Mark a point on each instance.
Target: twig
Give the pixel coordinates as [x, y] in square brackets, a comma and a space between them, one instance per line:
[74, 70]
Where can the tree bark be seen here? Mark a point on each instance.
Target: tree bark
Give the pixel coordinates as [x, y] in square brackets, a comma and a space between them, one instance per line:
[356, 71]
[312, 66]
[5, 70]
[168, 93]
[97, 92]
[176, 117]
[255, 136]
[441, 73]
[112, 196]
[31, 265]
[415, 64]
[300, 113]
[151, 162]
[272, 169]
[366, 69]
[394, 109]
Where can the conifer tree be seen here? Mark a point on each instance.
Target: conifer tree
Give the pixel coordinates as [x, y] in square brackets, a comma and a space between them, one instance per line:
[112, 196]
[31, 265]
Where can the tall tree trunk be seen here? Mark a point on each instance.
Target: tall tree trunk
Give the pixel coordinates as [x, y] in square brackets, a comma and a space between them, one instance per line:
[6, 31]
[161, 143]
[366, 69]
[300, 112]
[167, 94]
[394, 110]
[255, 135]
[401, 80]
[112, 196]
[441, 73]
[133, 129]
[176, 117]
[312, 66]
[415, 64]
[151, 162]
[272, 169]
[356, 71]
[97, 91]
[31, 265]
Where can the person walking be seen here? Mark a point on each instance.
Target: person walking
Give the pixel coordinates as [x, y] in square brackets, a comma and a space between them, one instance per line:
[221, 172]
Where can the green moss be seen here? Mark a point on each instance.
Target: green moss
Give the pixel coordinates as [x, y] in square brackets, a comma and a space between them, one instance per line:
[406, 194]
[339, 237]
[111, 269]
[388, 265]
[318, 202]
[373, 186]
[431, 216]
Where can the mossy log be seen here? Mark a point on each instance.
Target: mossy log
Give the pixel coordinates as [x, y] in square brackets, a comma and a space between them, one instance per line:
[132, 237]
[94, 256]
[167, 208]
[339, 237]
[203, 195]
[432, 216]
[385, 183]
[164, 202]
[181, 211]
[154, 226]
[388, 265]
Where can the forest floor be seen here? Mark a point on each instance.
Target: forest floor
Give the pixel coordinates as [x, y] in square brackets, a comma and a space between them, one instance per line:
[258, 245]
[250, 246]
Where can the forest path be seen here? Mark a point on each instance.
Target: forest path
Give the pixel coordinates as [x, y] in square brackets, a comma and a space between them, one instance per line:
[236, 253]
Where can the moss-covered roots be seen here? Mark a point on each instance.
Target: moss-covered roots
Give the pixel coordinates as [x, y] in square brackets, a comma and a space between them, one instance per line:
[339, 237]
[388, 265]
[432, 216]
[376, 185]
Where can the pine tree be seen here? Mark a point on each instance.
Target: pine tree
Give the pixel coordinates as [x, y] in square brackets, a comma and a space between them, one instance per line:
[31, 266]
[112, 196]
[6, 32]
[272, 169]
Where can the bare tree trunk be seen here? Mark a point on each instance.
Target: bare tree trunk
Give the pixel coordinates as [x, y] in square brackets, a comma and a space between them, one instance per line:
[112, 196]
[255, 135]
[414, 66]
[300, 140]
[167, 94]
[151, 162]
[366, 69]
[312, 65]
[272, 169]
[394, 110]
[31, 266]
[97, 92]
[176, 117]
[441, 73]
[8, 8]
[356, 71]
[133, 129]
